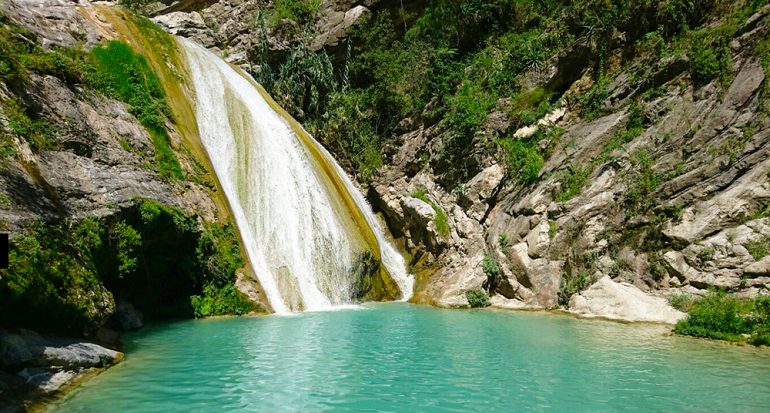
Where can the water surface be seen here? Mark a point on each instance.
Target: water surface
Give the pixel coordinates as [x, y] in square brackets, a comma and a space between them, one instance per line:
[407, 358]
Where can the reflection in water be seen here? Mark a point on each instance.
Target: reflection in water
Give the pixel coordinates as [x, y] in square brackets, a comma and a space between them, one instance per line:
[400, 357]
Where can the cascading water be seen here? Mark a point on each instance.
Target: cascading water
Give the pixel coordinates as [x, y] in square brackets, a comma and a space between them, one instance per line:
[304, 225]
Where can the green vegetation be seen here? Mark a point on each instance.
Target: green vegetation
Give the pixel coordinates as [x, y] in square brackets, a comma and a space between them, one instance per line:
[138, 6]
[36, 132]
[572, 284]
[458, 61]
[758, 248]
[722, 317]
[492, 271]
[440, 219]
[705, 255]
[63, 275]
[477, 298]
[553, 228]
[114, 70]
[52, 281]
[710, 53]
[220, 301]
[572, 182]
[635, 126]
[299, 11]
[123, 74]
[504, 241]
[523, 159]
[682, 302]
[643, 182]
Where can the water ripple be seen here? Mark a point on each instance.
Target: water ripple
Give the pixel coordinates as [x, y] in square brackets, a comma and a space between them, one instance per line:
[399, 357]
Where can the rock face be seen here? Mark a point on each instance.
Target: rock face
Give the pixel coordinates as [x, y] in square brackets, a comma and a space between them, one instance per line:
[621, 301]
[103, 157]
[241, 30]
[705, 224]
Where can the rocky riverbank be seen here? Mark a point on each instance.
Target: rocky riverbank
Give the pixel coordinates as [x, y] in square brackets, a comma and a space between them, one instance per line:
[35, 368]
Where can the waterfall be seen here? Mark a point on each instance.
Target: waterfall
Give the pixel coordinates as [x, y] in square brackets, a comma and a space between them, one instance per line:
[304, 225]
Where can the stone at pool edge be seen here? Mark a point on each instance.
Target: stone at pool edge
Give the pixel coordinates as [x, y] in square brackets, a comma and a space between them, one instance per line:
[48, 364]
[622, 302]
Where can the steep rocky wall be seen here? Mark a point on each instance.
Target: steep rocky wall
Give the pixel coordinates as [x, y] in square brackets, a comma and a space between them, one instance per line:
[681, 208]
[103, 157]
[98, 161]
[667, 212]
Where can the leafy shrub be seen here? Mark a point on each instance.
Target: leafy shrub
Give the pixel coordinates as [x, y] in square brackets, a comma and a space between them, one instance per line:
[347, 129]
[758, 248]
[299, 11]
[303, 82]
[572, 182]
[490, 267]
[523, 160]
[682, 302]
[220, 301]
[705, 255]
[573, 284]
[440, 219]
[590, 103]
[644, 180]
[710, 54]
[504, 241]
[468, 107]
[722, 317]
[477, 298]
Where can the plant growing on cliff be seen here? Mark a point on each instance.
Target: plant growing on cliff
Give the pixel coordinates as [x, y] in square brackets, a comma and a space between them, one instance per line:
[440, 219]
[477, 298]
[504, 241]
[710, 53]
[52, 283]
[573, 284]
[553, 228]
[523, 159]
[572, 181]
[121, 73]
[758, 248]
[63, 274]
[705, 255]
[643, 181]
[139, 6]
[37, 132]
[492, 271]
[298, 11]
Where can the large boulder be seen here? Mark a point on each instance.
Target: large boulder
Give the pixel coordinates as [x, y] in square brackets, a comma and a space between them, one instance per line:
[623, 302]
[28, 348]
[541, 276]
[759, 268]
[47, 364]
[480, 189]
